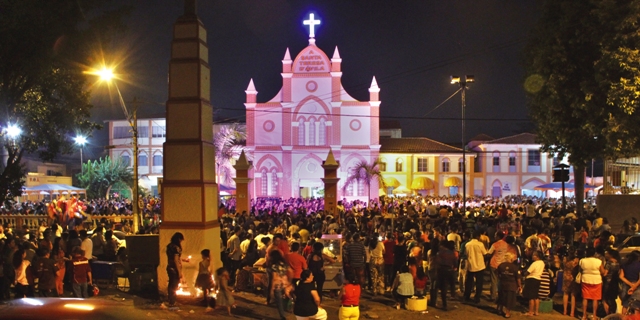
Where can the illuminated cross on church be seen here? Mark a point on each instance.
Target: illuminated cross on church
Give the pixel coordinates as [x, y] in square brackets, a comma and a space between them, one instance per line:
[312, 23]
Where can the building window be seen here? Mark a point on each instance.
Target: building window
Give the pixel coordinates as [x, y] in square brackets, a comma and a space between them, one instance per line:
[159, 131]
[496, 159]
[157, 160]
[399, 165]
[264, 180]
[534, 157]
[461, 165]
[273, 183]
[122, 132]
[322, 133]
[423, 165]
[382, 166]
[556, 161]
[143, 160]
[312, 132]
[143, 132]
[445, 165]
[301, 127]
[512, 161]
[126, 159]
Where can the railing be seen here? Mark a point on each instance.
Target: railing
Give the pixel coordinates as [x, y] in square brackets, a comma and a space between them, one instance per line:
[32, 222]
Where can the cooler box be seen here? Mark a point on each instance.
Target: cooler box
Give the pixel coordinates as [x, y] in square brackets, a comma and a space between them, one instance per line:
[417, 304]
[546, 306]
[103, 272]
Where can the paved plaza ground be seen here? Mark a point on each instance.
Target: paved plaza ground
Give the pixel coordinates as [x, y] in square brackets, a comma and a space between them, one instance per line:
[252, 306]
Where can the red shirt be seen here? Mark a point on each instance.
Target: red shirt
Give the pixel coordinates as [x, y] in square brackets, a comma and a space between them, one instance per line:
[297, 263]
[81, 269]
[389, 245]
[351, 295]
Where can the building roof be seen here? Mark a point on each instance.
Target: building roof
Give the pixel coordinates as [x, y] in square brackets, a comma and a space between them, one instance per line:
[390, 124]
[414, 145]
[482, 137]
[522, 138]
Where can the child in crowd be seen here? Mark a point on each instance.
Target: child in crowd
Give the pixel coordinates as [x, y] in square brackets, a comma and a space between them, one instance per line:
[204, 279]
[81, 278]
[224, 297]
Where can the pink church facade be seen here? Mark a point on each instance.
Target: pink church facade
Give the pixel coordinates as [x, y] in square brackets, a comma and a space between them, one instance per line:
[290, 135]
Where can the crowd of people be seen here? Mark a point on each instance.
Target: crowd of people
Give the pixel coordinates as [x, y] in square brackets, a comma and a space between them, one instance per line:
[529, 247]
[51, 261]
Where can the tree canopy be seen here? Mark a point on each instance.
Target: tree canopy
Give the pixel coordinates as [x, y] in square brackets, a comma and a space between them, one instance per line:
[366, 173]
[46, 45]
[582, 80]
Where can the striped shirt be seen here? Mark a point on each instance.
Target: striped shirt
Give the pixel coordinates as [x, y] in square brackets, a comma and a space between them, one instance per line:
[355, 253]
[545, 285]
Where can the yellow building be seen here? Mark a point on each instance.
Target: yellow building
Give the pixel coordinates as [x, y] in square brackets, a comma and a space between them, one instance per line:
[423, 166]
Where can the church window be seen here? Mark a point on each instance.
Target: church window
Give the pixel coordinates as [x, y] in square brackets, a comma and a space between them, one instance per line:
[301, 130]
[312, 132]
[399, 165]
[322, 133]
[445, 165]
[273, 183]
[263, 183]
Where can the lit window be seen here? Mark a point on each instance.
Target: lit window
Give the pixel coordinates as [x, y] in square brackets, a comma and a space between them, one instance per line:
[399, 165]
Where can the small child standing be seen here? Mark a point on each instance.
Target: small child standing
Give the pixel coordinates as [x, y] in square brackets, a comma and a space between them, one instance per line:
[204, 279]
[224, 297]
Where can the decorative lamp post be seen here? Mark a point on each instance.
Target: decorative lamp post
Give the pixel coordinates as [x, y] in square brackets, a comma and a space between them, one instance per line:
[80, 140]
[463, 87]
[107, 75]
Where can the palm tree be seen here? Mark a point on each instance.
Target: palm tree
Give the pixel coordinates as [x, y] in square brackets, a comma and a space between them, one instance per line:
[364, 172]
[229, 142]
[99, 176]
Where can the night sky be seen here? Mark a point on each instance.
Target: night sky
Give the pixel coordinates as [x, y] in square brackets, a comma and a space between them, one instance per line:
[412, 47]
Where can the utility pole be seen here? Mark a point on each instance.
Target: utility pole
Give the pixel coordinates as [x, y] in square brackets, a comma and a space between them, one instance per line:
[463, 86]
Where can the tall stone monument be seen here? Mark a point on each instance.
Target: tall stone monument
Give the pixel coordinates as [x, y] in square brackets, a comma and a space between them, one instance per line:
[242, 179]
[330, 180]
[189, 191]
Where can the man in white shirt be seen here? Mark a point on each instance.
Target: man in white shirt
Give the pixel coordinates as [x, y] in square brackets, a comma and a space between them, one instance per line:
[475, 251]
[455, 237]
[87, 245]
[244, 245]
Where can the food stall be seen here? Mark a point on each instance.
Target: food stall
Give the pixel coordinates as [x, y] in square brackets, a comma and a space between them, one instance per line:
[333, 271]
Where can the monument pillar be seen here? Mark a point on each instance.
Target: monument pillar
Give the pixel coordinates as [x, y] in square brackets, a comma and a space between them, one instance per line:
[189, 191]
[243, 198]
[330, 180]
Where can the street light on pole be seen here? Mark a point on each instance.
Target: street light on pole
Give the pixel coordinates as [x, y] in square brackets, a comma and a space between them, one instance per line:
[463, 87]
[80, 140]
[106, 74]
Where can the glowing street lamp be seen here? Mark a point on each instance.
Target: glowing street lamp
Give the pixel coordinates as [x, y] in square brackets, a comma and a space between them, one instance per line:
[80, 140]
[107, 75]
[13, 131]
[463, 87]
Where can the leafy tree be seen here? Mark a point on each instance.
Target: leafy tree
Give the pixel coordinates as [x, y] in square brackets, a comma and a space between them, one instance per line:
[229, 142]
[365, 172]
[578, 83]
[45, 45]
[98, 176]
